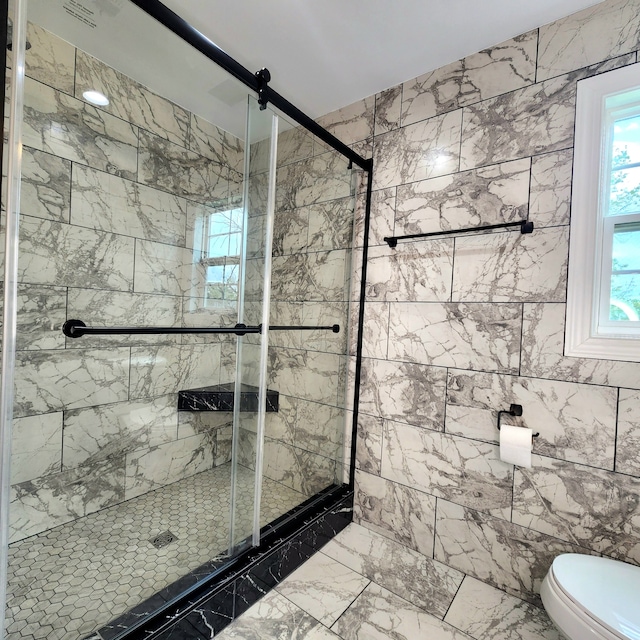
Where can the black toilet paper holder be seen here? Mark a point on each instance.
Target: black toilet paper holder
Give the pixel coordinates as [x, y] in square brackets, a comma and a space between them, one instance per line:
[514, 410]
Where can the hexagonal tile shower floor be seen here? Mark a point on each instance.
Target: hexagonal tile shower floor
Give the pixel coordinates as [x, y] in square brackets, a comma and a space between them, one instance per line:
[71, 580]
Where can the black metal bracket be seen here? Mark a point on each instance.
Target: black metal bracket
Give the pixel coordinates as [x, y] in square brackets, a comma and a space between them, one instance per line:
[514, 410]
[77, 329]
[525, 227]
[263, 77]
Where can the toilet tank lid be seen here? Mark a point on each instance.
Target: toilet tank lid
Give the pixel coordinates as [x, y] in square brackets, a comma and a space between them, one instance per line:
[608, 590]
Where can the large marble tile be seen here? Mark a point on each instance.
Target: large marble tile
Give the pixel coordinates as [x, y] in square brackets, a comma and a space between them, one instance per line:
[302, 374]
[36, 446]
[48, 381]
[376, 330]
[512, 267]
[41, 312]
[576, 422]
[58, 254]
[369, 443]
[69, 128]
[396, 511]
[45, 186]
[44, 503]
[94, 434]
[603, 31]
[489, 195]
[294, 144]
[505, 67]
[149, 469]
[275, 617]
[313, 180]
[310, 276]
[432, 93]
[379, 613]
[319, 428]
[169, 270]
[467, 336]
[50, 59]
[426, 583]
[216, 144]
[110, 203]
[388, 110]
[120, 309]
[495, 551]
[412, 271]
[170, 167]
[351, 123]
[303, 471]
[323, 587]
[130, 100]
[331, 224]
[550, 199]
[404, 392]
[526, 122]
[486, 613]
[500, 69]
[400, 157]
[628, 436]
[536, 119]
[543, 353]
[323, 314]
[464, 471]
[290, 233]
[156, 371]
[191, 423]
[596, 509]
[383, 206]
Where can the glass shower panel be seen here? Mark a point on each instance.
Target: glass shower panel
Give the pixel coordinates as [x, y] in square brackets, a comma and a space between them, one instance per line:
[256, 399]
[131, 216]
[311, 286]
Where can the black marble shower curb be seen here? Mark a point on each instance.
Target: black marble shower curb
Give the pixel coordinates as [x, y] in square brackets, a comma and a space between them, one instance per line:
[206, 600]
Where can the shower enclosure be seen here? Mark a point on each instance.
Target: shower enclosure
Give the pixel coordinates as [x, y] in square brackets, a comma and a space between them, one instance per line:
[177, 311]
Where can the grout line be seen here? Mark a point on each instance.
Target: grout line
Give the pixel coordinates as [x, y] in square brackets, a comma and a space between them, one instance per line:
[454, 597]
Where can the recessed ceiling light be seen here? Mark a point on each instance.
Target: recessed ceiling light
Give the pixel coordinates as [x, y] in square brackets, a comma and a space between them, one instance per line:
[95, 97]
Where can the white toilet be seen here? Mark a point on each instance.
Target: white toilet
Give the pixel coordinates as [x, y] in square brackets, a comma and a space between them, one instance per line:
[590, 598]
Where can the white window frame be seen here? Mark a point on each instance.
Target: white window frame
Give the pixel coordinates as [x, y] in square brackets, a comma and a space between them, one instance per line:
[587, 336]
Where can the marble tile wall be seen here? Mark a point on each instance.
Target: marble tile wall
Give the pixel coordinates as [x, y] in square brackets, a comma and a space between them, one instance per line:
[460, 327]
[310, 285]
[111, 200]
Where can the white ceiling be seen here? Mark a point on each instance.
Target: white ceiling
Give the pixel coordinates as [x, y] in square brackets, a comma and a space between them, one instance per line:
[322, 54]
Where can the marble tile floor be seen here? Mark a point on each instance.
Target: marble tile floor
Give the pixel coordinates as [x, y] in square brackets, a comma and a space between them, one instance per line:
[67, 582]
[338, 593]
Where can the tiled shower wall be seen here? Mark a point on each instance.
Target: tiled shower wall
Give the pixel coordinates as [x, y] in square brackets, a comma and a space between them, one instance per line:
[459, 328]
[110, 201]
[311, 273]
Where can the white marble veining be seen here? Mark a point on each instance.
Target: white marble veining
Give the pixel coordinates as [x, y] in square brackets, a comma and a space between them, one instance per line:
[323, 587]
[416, 271]
[49, 60]
[543, 353]
[550, 200]
[36, 446]
[130, 100]
[69, 128]
[458, 469]
[396, 511]
[489, 195]
[473, 336]
[215, 143]
[351, 123]
[404, 392]
[593, 508]
[107, 202]
[41, 312]
[628, 449]
[576, 422]
[388, 110]
[425, 582]
[606, 30]
[423, 150]
[511, 267]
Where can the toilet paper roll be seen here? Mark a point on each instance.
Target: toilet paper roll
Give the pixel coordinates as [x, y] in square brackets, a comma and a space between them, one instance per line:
[515, 445]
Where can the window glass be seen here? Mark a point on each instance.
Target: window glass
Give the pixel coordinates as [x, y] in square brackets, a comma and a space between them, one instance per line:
[625, 167]
[625, 273]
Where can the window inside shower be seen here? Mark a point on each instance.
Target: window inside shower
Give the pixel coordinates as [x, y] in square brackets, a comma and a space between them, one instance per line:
[182, 205]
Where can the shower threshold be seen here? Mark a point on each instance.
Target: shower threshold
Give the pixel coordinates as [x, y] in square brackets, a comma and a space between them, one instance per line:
[68, 582]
